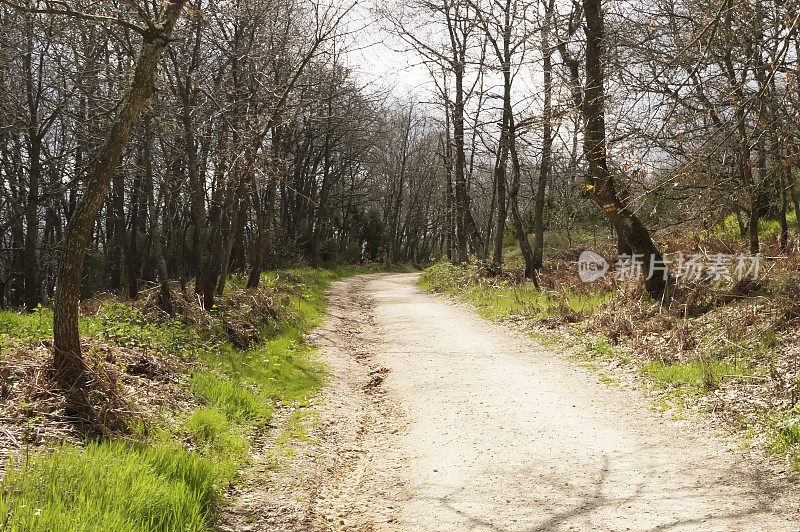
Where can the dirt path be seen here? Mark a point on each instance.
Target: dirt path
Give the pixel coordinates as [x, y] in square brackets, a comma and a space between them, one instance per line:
[437, 420]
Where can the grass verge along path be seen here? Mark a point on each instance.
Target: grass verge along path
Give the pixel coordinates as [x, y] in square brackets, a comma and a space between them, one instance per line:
[165, 466]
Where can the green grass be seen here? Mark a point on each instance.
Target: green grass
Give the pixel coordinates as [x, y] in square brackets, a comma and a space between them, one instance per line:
[766, 228]
[162, 484]
[526, 300]
[602, 347]
[444, 276]
[211, 428]
[778, 431]
[785, 439]
[26, 328]
[504, 301]
[698, 375]
[29, 328]
[111, 486]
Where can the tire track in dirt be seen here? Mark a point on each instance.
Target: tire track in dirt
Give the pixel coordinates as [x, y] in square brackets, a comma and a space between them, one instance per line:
[330, 478]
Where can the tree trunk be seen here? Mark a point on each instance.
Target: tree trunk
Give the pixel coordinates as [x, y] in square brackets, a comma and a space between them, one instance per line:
[472, 229]
[319, 218]
[745, 162]
[796, 201]
[502, 206]
[600, 183]
[17, 281]
[742, 224]
[264, 213]
[547, 142]
[519, 228]
[68, 362]
[254, 280]
[503, 151]
[522, 237]
[220, 226]
[197, 194]
[110, 244]
[165, 294]
[121, 243]
[785, 175]
[240, 209]
[447, 152]
[32, 223]
[3, 284]
[623, 248]
[490, 218]
[754, 224]
[34, 177]
[132, 259]
[460, 181]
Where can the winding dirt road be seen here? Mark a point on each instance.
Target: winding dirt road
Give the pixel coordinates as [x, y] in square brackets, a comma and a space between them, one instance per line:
[434, 419]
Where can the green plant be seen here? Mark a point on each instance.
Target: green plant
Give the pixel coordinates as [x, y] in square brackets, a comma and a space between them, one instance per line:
[129, 327]
[443, 276]
[27, 328]
[600, 346]
[778, 431]
[697, 375]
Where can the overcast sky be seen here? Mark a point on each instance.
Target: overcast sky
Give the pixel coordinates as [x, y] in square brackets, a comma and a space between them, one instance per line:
[379, 58]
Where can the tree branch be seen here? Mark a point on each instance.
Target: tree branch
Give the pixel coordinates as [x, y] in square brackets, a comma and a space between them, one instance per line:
[66, 10]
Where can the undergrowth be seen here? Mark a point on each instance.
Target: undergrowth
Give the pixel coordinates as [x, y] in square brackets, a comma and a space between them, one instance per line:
[171, 478]
[505, 297]
[112, 486]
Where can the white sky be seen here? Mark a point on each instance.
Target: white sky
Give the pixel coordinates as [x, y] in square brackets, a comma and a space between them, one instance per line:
[382, 61]
[379, 59]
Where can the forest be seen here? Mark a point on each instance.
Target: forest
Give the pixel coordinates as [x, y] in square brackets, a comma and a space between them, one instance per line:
[257, 145]
[181, 182]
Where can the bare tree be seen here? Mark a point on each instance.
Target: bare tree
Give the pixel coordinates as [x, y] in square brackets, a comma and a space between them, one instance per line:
[458, 21]
[68, 362]
[600, 182]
